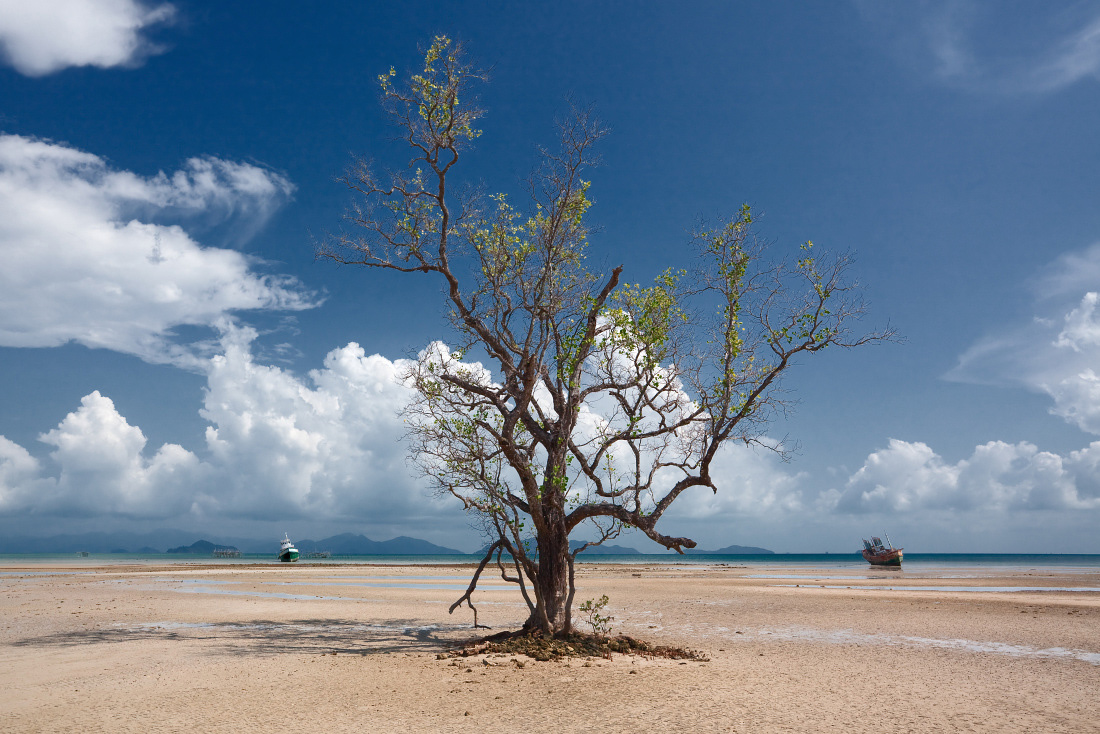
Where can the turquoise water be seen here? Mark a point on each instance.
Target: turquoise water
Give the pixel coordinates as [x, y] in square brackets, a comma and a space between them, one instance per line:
[914, 561]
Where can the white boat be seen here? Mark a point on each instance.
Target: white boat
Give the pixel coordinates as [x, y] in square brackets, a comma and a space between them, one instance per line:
[287, 551]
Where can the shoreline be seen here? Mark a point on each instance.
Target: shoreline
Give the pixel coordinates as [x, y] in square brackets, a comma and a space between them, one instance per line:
[921, 564]
[343, 647]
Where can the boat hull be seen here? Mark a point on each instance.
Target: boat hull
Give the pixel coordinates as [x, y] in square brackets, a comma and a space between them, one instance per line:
[890, 557]
[288, 556]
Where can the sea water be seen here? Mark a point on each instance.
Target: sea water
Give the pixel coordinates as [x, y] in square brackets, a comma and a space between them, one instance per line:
[840, 561]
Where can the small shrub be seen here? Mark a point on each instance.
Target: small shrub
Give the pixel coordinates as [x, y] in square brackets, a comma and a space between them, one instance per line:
[593, 610]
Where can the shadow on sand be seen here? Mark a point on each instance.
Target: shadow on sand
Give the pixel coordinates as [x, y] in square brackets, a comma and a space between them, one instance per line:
[261, 637]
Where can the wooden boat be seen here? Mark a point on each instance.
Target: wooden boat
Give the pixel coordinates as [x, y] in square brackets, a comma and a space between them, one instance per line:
[877, 554]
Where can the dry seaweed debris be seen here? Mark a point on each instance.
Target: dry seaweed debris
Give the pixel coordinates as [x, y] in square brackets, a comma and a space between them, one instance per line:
[574, 645]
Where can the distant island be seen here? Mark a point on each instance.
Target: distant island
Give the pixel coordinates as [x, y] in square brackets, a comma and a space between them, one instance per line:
[345, 544]
[204, 547]
[604, 550]
[595, 550]
[348, 544]
[182, 542]
[623, 550]
[734, 550]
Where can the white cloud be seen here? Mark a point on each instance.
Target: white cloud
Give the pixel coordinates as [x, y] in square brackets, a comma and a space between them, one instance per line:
[1075, 57]
[998, 477]
[752, 482]
[1058, 351]
[1082, 330]
[45, 36]
[21, 480]
[985, 47]
[1076, 398]
[326, 450]
[906, 476]
[1002, 498]
[1070, 275]
[85, 261]
[1085, 467]
[278, 448]
[104, 470]
[945, 32]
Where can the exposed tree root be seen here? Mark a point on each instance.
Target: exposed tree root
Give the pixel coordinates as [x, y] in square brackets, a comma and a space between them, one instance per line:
[573, 645]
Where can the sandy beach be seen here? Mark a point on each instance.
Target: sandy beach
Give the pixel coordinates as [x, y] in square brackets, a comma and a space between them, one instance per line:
[330, 648]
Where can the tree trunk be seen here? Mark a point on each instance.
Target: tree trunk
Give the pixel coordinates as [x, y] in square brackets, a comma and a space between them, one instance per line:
[552, 614]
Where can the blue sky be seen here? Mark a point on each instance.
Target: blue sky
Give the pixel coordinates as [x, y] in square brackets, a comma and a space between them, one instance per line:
[174, 356]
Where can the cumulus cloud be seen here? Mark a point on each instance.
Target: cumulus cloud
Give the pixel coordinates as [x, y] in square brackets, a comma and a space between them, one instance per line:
[104, 470]
[1002, 498]
[904, 479]
[326, 448]
[1058, 351]
[909, 477]
[278, 447]
[752, 482]
[21, 479]
[983, 47]
[86, 261]
[1081, 330]
[45, 36]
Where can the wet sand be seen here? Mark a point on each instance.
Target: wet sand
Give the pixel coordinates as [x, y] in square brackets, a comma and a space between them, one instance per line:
[329, 648]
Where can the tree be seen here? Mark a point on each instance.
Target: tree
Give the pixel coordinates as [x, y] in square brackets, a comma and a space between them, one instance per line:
[606, 400]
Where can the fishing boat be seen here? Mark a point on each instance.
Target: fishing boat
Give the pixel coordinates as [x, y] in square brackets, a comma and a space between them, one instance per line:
[878, 554]
[287, 551]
